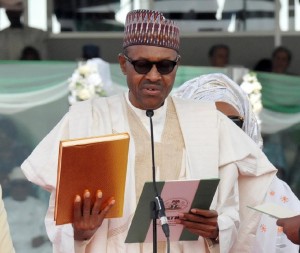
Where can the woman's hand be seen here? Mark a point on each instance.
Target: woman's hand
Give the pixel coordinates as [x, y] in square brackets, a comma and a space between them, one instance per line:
[291, 227]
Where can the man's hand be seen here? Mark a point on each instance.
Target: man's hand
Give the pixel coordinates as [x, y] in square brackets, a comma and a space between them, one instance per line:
[201, 222]
[87, 217]
[291, 227]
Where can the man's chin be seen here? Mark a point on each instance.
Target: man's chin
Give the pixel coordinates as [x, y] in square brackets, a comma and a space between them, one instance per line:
[154, 106]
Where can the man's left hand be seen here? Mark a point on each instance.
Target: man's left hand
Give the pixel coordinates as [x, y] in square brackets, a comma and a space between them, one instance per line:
[201, 222]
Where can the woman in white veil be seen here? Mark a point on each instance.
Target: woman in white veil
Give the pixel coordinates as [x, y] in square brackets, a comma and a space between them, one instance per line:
[222, 90]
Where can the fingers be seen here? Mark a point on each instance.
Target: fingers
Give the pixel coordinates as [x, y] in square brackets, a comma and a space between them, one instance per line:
[86, 205]
[97, 205]
[201, 229]
[205, 213]
[202, 233]
[208, 217]
[106, 209]
[199, 219]
[198, 226]
[85, 209]
[201, 222]
[77, 208]
[88, 216]
[280, 222]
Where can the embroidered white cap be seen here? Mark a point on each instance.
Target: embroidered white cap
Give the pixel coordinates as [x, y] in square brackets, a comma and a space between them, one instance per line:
[148, 27]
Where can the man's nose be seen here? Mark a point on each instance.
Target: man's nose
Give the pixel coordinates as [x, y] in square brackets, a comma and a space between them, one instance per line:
[153, 74]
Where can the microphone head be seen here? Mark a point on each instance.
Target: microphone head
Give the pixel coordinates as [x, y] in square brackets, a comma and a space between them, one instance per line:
[149, 113]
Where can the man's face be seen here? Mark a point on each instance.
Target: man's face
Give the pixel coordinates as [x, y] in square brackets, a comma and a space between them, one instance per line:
[280, 62]
[14, 16]
[148, 91]
[220, 58]
[20, 189]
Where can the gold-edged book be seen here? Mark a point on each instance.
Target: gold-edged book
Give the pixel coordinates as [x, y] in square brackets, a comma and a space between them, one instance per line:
[91, 163]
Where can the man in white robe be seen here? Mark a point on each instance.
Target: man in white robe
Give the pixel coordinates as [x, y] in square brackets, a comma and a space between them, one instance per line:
[18, 36]
[193, 140]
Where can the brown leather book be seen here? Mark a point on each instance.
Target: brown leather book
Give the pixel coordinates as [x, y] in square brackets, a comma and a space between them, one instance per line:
[91, 163]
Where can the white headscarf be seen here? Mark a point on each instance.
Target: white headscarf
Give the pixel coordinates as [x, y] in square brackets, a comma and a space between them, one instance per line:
[218, 87]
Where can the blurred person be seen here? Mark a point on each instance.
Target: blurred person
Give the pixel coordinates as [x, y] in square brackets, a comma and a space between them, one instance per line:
[30, 54]
[13, 149]
[273, 143]
[231, 100]
[263, 65]
[18, 36]
[193, 141]
[219, 55]
[281, 59]
[90, 51]
[25, 216]
[6, 245]
[10, 150]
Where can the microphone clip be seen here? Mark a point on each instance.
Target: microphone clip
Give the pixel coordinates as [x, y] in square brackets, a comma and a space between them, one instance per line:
[161, 213]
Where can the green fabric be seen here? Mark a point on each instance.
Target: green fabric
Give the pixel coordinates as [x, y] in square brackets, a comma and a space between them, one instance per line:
[280, 93]
[26, 76]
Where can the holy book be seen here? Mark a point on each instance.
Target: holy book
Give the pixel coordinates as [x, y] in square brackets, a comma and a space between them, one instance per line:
[94, 163]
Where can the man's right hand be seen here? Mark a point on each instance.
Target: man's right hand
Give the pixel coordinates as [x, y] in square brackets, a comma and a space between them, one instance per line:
[87, 217]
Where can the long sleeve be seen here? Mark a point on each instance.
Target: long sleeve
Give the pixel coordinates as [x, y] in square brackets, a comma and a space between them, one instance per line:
[6, 244]
[40, 168]
[228, 207]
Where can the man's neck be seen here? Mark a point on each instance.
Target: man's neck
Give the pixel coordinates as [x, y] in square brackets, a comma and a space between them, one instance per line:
[17, 26]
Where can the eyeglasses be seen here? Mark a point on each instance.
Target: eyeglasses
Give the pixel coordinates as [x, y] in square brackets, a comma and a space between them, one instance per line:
[238, 120]
[142, 67]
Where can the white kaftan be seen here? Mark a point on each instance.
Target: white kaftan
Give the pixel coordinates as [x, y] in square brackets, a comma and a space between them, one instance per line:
[214, 147]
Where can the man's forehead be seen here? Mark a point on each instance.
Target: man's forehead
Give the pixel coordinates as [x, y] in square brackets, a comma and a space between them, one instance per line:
[151, 53]
[150, 50]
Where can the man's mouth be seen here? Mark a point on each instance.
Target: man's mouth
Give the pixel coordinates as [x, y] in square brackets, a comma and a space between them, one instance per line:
[151, 91]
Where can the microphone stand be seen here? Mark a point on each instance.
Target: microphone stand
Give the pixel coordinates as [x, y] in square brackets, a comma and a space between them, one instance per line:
[157, 206]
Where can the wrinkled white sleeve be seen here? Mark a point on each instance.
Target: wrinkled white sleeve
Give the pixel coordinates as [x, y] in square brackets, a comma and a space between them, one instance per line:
[41, 166]
[253, 173]
[41, 169]
[226, 203]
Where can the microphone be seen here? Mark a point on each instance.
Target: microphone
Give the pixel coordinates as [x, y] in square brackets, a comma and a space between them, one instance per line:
[160, 207]
[149, 113]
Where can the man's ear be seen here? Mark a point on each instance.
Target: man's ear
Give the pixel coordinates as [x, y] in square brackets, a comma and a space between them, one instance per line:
[179, 60]
[122, 62]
